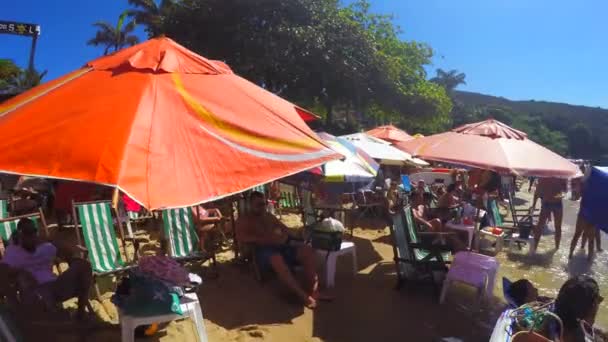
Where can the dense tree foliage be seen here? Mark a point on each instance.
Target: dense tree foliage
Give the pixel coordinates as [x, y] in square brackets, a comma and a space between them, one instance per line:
[346, 63]
[114, 38]
[574, 131]
[151, 14]
[14, 80]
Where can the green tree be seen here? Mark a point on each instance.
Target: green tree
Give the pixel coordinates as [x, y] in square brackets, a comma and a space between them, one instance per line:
[450, 80]
[151, 14]
[343, 60]
[14, 80]
[580, 140]
[114, 38]
[28, 79]
[9, 71]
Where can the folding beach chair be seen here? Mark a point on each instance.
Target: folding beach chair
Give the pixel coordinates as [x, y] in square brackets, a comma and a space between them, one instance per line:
[3, 208]
[8, 329]
[289, 198]
[506, 286]
[413, 257]
[101, 245]
[180, 232]
[518, 231]
[8, 225]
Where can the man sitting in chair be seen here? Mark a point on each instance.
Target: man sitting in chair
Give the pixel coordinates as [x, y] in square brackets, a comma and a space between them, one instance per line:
[426, 223]
[29, 261]
[273, 249]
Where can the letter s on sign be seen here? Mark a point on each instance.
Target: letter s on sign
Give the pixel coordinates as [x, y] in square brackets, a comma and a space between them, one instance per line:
[11, 27]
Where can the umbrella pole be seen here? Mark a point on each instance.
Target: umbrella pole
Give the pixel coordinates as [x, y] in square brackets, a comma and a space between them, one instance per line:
[235, 243]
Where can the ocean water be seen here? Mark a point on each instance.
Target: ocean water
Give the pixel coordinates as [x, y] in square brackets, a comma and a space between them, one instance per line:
[549, 269]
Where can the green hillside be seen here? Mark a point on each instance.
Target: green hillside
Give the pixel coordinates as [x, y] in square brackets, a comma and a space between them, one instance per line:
[576, 131]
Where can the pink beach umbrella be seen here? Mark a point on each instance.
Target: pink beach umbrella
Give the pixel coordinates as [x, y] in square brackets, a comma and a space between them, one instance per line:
[494, 146]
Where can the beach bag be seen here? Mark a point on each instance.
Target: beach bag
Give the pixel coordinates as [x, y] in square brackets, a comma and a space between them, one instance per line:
[141, 294]
[327, 235]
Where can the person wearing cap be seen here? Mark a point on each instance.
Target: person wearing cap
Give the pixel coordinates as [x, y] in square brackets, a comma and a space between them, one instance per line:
[29, 260]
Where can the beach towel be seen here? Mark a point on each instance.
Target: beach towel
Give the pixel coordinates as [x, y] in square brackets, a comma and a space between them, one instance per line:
[130, 204]
[164, 268]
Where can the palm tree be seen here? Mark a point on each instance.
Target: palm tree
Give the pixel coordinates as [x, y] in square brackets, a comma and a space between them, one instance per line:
[151, 14]
[114, 38]
[450, 80]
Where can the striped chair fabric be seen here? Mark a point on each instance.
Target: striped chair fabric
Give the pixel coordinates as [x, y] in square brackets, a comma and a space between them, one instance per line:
[99, 236]
[179, 228]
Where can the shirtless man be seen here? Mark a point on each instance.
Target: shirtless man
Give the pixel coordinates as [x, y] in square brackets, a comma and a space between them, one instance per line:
[421, 216]
[417, 196]
[550, 191]
[449, 199]
[434, 225]
[273, 250]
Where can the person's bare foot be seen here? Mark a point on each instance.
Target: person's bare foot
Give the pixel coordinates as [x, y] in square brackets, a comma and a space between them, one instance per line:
[310, 303]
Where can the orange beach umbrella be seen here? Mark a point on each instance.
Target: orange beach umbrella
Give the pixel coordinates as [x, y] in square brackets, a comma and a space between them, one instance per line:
[491, 145]
[390, 133]
[166, 126]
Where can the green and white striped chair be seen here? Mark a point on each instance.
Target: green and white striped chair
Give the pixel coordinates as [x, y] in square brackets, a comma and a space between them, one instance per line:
[180, 232]
[3, 208]
[8, 225]
[413, 257]
[99, 235]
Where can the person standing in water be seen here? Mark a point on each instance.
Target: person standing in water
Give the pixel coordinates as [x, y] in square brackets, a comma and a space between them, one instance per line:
[551, 192]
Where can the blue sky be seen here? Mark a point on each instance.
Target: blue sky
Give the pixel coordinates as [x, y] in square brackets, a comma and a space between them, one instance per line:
[553, 50]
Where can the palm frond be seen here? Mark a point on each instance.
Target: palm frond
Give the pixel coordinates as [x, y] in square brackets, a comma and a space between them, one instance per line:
[104, 25]
[130, 27]
[149, 5]
[131, 40]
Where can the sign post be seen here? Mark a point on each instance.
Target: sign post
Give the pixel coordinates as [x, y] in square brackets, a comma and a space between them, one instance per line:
[23, 29]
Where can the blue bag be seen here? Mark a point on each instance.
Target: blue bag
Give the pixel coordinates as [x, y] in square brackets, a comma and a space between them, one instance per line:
[143, 295]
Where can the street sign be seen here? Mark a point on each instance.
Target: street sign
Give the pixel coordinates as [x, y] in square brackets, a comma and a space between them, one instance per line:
[21, 29]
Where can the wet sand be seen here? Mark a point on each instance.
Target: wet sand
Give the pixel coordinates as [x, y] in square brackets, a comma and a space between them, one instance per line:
[549, 269]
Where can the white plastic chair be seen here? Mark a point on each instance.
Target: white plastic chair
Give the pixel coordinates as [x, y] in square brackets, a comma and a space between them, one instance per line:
[190, 307]
[347, 247]
[473, 269]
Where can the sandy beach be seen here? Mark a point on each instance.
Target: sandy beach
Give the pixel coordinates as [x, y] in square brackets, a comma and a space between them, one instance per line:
[237, 307]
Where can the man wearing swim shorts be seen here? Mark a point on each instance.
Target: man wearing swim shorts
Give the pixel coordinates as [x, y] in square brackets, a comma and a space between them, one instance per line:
[273, 249]
[551, 192]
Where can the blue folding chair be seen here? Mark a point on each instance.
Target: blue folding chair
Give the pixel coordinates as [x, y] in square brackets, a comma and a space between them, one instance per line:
[506, 286]
[407, 185]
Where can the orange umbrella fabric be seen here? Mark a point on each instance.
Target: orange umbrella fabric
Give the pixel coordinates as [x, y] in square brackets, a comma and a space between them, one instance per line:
[494, 146]
[390, 133]
[168, 127]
